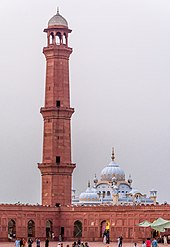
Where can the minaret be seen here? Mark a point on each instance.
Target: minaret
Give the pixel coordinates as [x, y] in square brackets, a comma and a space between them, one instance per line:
[56, 167]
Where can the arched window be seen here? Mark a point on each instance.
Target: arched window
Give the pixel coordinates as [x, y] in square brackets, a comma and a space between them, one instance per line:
[64, 39]
[49, 229]
[108, 193]
[51, 38]
[31, 229]
[11, 229]
[77, 229]
[58, 38]
[102, 228]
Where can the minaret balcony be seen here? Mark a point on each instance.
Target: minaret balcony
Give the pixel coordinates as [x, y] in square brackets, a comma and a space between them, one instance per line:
[50, 168]
[56, 112]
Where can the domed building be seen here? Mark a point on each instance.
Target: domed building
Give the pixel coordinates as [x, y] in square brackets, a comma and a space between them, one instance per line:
[112, 188]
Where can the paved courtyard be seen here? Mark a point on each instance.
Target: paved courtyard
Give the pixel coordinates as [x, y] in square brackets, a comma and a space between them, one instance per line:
[91, 244]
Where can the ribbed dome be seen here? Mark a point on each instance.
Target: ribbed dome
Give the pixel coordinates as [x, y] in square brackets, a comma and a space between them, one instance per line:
[112, 170]
[90, 195]
[57, 20]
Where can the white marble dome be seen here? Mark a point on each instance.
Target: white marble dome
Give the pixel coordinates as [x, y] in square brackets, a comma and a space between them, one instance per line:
[57, 20]
[90, 195]
[112, 170]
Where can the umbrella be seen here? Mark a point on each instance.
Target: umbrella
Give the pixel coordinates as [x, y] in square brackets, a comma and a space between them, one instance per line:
[158, 225]
[145, 223]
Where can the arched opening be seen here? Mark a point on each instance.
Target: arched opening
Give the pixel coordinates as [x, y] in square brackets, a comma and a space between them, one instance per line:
[155, 234]
[77, 229]
[102, 228]
[11, 229]
[31, 229]
[51, 38]
[64, 39]
[105, 231]
[49, 229]
[108, 193]
[58, 38]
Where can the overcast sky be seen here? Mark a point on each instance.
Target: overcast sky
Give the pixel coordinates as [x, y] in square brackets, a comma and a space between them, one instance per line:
[120, 89]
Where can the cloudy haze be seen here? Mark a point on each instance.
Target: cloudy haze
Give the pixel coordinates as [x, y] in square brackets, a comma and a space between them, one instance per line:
[119, 76]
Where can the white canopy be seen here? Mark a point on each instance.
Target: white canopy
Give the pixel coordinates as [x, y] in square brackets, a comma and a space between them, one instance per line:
[158, 225]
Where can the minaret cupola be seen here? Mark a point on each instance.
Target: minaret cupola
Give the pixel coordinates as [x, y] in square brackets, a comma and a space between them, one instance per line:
[57, 31]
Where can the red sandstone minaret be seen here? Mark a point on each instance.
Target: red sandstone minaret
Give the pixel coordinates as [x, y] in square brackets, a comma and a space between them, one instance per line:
[56, 167]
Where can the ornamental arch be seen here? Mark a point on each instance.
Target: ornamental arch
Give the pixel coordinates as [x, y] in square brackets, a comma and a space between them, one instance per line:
[49, 229]
[31, 229]
[102, 228]
[77, 229]
[11, 229]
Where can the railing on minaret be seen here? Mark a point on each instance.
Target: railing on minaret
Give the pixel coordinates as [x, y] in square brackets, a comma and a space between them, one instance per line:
[56, 167]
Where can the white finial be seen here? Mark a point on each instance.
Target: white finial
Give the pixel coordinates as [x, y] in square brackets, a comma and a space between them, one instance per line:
[113, 154]
[57, 10]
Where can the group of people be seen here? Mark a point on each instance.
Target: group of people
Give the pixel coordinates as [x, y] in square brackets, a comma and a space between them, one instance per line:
[80, 244]
[148, 243]
[21, 242]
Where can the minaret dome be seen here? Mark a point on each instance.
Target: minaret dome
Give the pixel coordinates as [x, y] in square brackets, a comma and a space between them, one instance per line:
[58, 20]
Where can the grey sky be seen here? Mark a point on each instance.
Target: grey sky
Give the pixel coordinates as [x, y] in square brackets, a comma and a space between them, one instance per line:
[119, 75]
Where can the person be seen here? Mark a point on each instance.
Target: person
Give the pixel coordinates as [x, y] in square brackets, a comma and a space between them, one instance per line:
[30, 241]
[21, 242]
[17, 242]
[60, 238]
[104, 237]
[165, 240]
[47, 242]
[148, 242]
[78, 242]
[24, 242]
[120, 241]
[143, 244]
[107, 237]
[86, 244]
[9, 237]
[38, 242]
[154, 243]
[135, 244]
[74, 244]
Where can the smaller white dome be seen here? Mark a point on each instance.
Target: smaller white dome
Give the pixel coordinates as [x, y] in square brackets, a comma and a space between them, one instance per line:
[90, 195]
